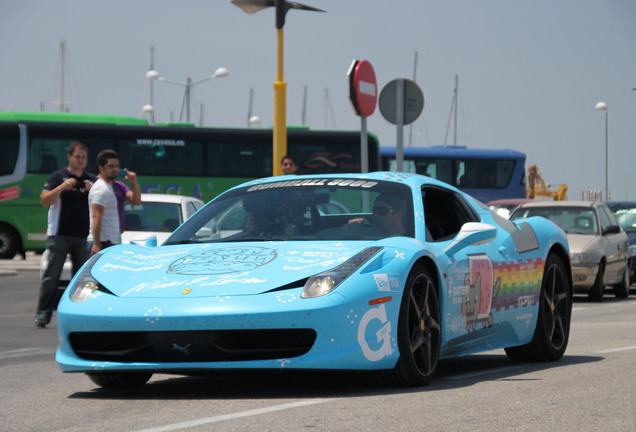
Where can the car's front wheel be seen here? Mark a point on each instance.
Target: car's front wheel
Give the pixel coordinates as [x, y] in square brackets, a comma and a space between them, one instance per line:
[419, 331]
[552, 331]
[596, 292]
[120, 379]
[621, 289]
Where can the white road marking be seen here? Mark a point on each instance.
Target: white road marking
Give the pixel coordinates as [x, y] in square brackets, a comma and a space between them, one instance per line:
[25, 352]
[615, 350]
[208, 420]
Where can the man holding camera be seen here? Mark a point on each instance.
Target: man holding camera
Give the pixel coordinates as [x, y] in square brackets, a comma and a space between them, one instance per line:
[66, 194]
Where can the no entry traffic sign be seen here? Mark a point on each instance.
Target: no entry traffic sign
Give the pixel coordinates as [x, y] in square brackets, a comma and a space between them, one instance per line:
[363, 87]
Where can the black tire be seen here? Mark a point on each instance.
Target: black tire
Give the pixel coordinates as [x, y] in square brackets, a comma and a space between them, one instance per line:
[552, 331]
[621, 289]
[8, 242]
[596, 291]
[419, 332]
[120, 379]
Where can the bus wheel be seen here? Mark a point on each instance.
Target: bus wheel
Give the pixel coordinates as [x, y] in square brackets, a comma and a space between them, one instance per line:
[8, 242]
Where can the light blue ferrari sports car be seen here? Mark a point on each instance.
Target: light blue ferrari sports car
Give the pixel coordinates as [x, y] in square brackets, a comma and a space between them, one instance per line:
[386, 272]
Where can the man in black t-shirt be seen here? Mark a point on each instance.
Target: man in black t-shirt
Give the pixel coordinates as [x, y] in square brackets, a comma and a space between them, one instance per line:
[66, 192]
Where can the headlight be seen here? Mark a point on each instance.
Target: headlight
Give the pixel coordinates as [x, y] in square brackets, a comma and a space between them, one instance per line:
[84, 284]
[580, 258]
[632, 250]
[326, 282]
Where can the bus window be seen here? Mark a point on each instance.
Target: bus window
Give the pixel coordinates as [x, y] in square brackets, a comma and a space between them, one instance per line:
[485, 174]
[165, 157]
[13, 160]
[233, 158]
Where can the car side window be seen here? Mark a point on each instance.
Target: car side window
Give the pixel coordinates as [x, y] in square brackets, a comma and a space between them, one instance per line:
[191, 208]
[444, 213]
[610, 215]
[605, 219]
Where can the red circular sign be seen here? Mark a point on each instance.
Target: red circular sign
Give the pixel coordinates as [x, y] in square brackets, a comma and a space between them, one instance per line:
[364, 89]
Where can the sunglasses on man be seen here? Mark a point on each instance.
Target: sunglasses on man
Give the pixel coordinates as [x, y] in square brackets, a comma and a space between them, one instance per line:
[383, 211]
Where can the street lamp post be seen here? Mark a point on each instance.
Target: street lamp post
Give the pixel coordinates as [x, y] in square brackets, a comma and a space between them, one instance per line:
[279, 144]
[220, 72]
[602, 106]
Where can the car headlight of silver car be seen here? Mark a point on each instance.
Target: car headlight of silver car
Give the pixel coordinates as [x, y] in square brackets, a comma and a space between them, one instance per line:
[581, 258]
[325, 282]
[84, 284]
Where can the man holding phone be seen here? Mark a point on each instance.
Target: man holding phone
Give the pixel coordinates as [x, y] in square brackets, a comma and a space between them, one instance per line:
[123, 193]
[105, 227]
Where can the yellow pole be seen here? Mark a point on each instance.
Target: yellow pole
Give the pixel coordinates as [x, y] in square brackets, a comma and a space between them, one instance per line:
[280, 97]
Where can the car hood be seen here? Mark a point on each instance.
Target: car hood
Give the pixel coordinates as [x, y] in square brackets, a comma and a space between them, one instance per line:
[580, 243]
[217, 269]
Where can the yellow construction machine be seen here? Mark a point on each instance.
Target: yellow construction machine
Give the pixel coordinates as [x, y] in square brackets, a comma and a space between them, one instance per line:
[538, 188]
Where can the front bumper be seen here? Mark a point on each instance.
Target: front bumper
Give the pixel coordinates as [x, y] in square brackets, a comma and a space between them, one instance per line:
[583, 276]
[274, 330]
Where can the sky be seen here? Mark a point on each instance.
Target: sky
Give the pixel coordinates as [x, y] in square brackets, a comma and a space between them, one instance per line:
[529, 73]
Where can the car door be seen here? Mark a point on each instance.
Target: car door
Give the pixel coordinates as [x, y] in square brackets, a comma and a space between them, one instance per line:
[467, 303]
[615, 243]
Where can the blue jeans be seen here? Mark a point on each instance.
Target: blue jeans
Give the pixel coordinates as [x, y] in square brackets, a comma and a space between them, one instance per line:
[58, 247]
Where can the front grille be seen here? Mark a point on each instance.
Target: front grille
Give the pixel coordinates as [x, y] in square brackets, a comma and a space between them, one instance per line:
[192, 346]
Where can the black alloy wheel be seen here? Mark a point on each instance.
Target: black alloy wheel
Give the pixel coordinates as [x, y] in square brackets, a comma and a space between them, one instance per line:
[419, 331]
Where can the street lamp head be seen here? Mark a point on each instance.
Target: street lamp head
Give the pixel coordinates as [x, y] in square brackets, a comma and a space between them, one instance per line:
[152, 74]
[282, 6]
[601, 106]
[254, 120]
[148, 108]
[252, 6]
[220, 72]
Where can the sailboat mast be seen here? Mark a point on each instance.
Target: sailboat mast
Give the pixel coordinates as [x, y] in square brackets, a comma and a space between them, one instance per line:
[62, 103]
[414, 80]
[303, 113]
[152, 67]
[456, 103]
[249, 107]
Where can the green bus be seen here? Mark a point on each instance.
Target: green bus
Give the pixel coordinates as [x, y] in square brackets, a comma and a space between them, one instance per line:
[168, 158]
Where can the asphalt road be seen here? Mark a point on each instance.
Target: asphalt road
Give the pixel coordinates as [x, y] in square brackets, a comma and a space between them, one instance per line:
[593, 388]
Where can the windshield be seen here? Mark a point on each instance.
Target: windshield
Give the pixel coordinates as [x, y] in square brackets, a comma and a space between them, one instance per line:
[304, 210]
[627, 219]
[573, 220]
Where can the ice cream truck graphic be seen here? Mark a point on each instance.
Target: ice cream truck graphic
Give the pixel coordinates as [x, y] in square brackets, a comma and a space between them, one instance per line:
[479, 293]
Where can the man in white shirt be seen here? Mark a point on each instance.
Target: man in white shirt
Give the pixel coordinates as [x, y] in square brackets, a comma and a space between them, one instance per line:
[105, 229]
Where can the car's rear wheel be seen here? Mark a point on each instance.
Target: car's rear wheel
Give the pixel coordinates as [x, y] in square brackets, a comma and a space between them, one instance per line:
[596, 292]
[419, 331]
[120, 379]
[552, 331]
[621, 289]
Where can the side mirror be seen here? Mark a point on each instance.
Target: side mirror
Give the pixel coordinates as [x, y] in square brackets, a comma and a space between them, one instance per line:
[612, 229]
[472, 233]
[208, 233]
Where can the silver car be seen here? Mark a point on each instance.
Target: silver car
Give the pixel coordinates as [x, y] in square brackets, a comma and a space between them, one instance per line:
[599, 248]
